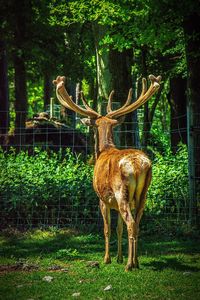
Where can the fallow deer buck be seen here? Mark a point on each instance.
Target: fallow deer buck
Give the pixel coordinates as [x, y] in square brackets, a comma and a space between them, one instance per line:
[121, 177]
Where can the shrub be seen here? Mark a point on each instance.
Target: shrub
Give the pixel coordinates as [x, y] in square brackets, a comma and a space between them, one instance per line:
[46, 186]
[56, 188]
[169, 187]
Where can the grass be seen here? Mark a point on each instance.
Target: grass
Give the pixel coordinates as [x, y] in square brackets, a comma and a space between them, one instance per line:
[169, 268]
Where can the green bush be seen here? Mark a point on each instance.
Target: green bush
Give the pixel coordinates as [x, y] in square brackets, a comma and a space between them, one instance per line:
[169, 187]
[55, 188]
[47, 183]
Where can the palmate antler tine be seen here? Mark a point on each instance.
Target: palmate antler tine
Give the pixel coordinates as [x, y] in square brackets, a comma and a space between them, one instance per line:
[128, 101]
[109, 106]
[60, 80]
[144, 86]
[86, 103]
[67, 101]
[84, 100]
[62, 101]
[141, 100]
[129, 98]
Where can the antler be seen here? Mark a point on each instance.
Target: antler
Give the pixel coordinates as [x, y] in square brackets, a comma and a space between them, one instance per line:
[144, 96]
[128, 101]
[67, 101]
[86, 104]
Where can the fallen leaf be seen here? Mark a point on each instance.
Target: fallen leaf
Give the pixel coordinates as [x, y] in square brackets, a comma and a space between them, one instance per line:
[47, 278]
[187, 273]
[76, 294]
[29, 267]
[65, 270]
[108, 288]
[54, 268]
[93, 264]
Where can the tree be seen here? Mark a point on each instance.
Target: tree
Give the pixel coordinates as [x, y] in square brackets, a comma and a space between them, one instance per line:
[177, 101]
[113, 62]
[192, 46]
[4, 96]
[120, 63]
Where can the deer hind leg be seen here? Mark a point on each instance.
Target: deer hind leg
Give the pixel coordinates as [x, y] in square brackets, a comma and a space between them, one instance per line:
[140, 195]
[132, 233]
[105, 211]
[125, 211]
[119, 235]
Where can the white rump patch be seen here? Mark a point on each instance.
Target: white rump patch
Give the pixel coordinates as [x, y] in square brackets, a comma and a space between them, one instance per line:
[126, 165]
[144, 161]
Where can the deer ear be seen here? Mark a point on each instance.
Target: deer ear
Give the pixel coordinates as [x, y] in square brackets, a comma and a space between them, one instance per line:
[120, 120]
[88, 121]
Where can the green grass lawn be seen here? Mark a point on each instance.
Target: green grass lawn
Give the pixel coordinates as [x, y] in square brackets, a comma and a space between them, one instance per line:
[169, 268]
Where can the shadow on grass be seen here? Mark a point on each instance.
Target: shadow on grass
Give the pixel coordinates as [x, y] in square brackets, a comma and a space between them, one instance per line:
[171, 263]
[64, 244]
[72, 245]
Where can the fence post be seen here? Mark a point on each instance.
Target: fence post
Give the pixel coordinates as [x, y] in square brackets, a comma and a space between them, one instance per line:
[191, 161]
[51, 107]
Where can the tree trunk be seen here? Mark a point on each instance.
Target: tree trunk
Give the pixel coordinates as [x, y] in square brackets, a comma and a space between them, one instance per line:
[192, 46]
[146, 131]
[178, 122]
[114, 72]
[148, 111]
[72, 92]
[4, 97]
[47, 90]
[19, 49]
[93, 93]
[121, 80]
[103, 80]
[146, 123]
[20, 100]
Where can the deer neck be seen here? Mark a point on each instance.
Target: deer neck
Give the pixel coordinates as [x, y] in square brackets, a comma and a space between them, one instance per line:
[104, 139]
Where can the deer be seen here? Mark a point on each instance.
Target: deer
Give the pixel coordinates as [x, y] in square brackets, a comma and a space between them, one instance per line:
[121, 176]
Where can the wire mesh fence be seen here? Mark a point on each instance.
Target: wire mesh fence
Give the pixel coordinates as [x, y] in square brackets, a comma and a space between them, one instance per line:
[17, 207]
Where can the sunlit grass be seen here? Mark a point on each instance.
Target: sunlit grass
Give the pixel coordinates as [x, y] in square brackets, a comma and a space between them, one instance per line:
[169, 268]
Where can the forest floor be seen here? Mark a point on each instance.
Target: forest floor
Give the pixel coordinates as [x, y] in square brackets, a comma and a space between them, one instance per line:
[67, 264]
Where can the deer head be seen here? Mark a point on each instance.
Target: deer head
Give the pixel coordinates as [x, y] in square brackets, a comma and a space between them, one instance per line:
[104, 124]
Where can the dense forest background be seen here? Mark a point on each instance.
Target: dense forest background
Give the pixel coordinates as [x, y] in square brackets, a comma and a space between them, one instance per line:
[100, 46]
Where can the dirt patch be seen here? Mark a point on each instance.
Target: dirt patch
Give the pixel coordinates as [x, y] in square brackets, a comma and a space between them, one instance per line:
[18, 267]
[25, 267]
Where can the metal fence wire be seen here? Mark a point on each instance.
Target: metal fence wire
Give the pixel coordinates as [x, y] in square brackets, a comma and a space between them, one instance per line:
[57, 136]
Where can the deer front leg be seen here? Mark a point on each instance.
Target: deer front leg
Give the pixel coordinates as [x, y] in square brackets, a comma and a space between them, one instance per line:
[119, 235]
[106, 218]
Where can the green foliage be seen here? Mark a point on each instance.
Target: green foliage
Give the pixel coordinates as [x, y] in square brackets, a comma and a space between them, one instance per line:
[66, 254]
[169, 188]
[60, 186]
[35, 98]
[43, 182]
[132, 24]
